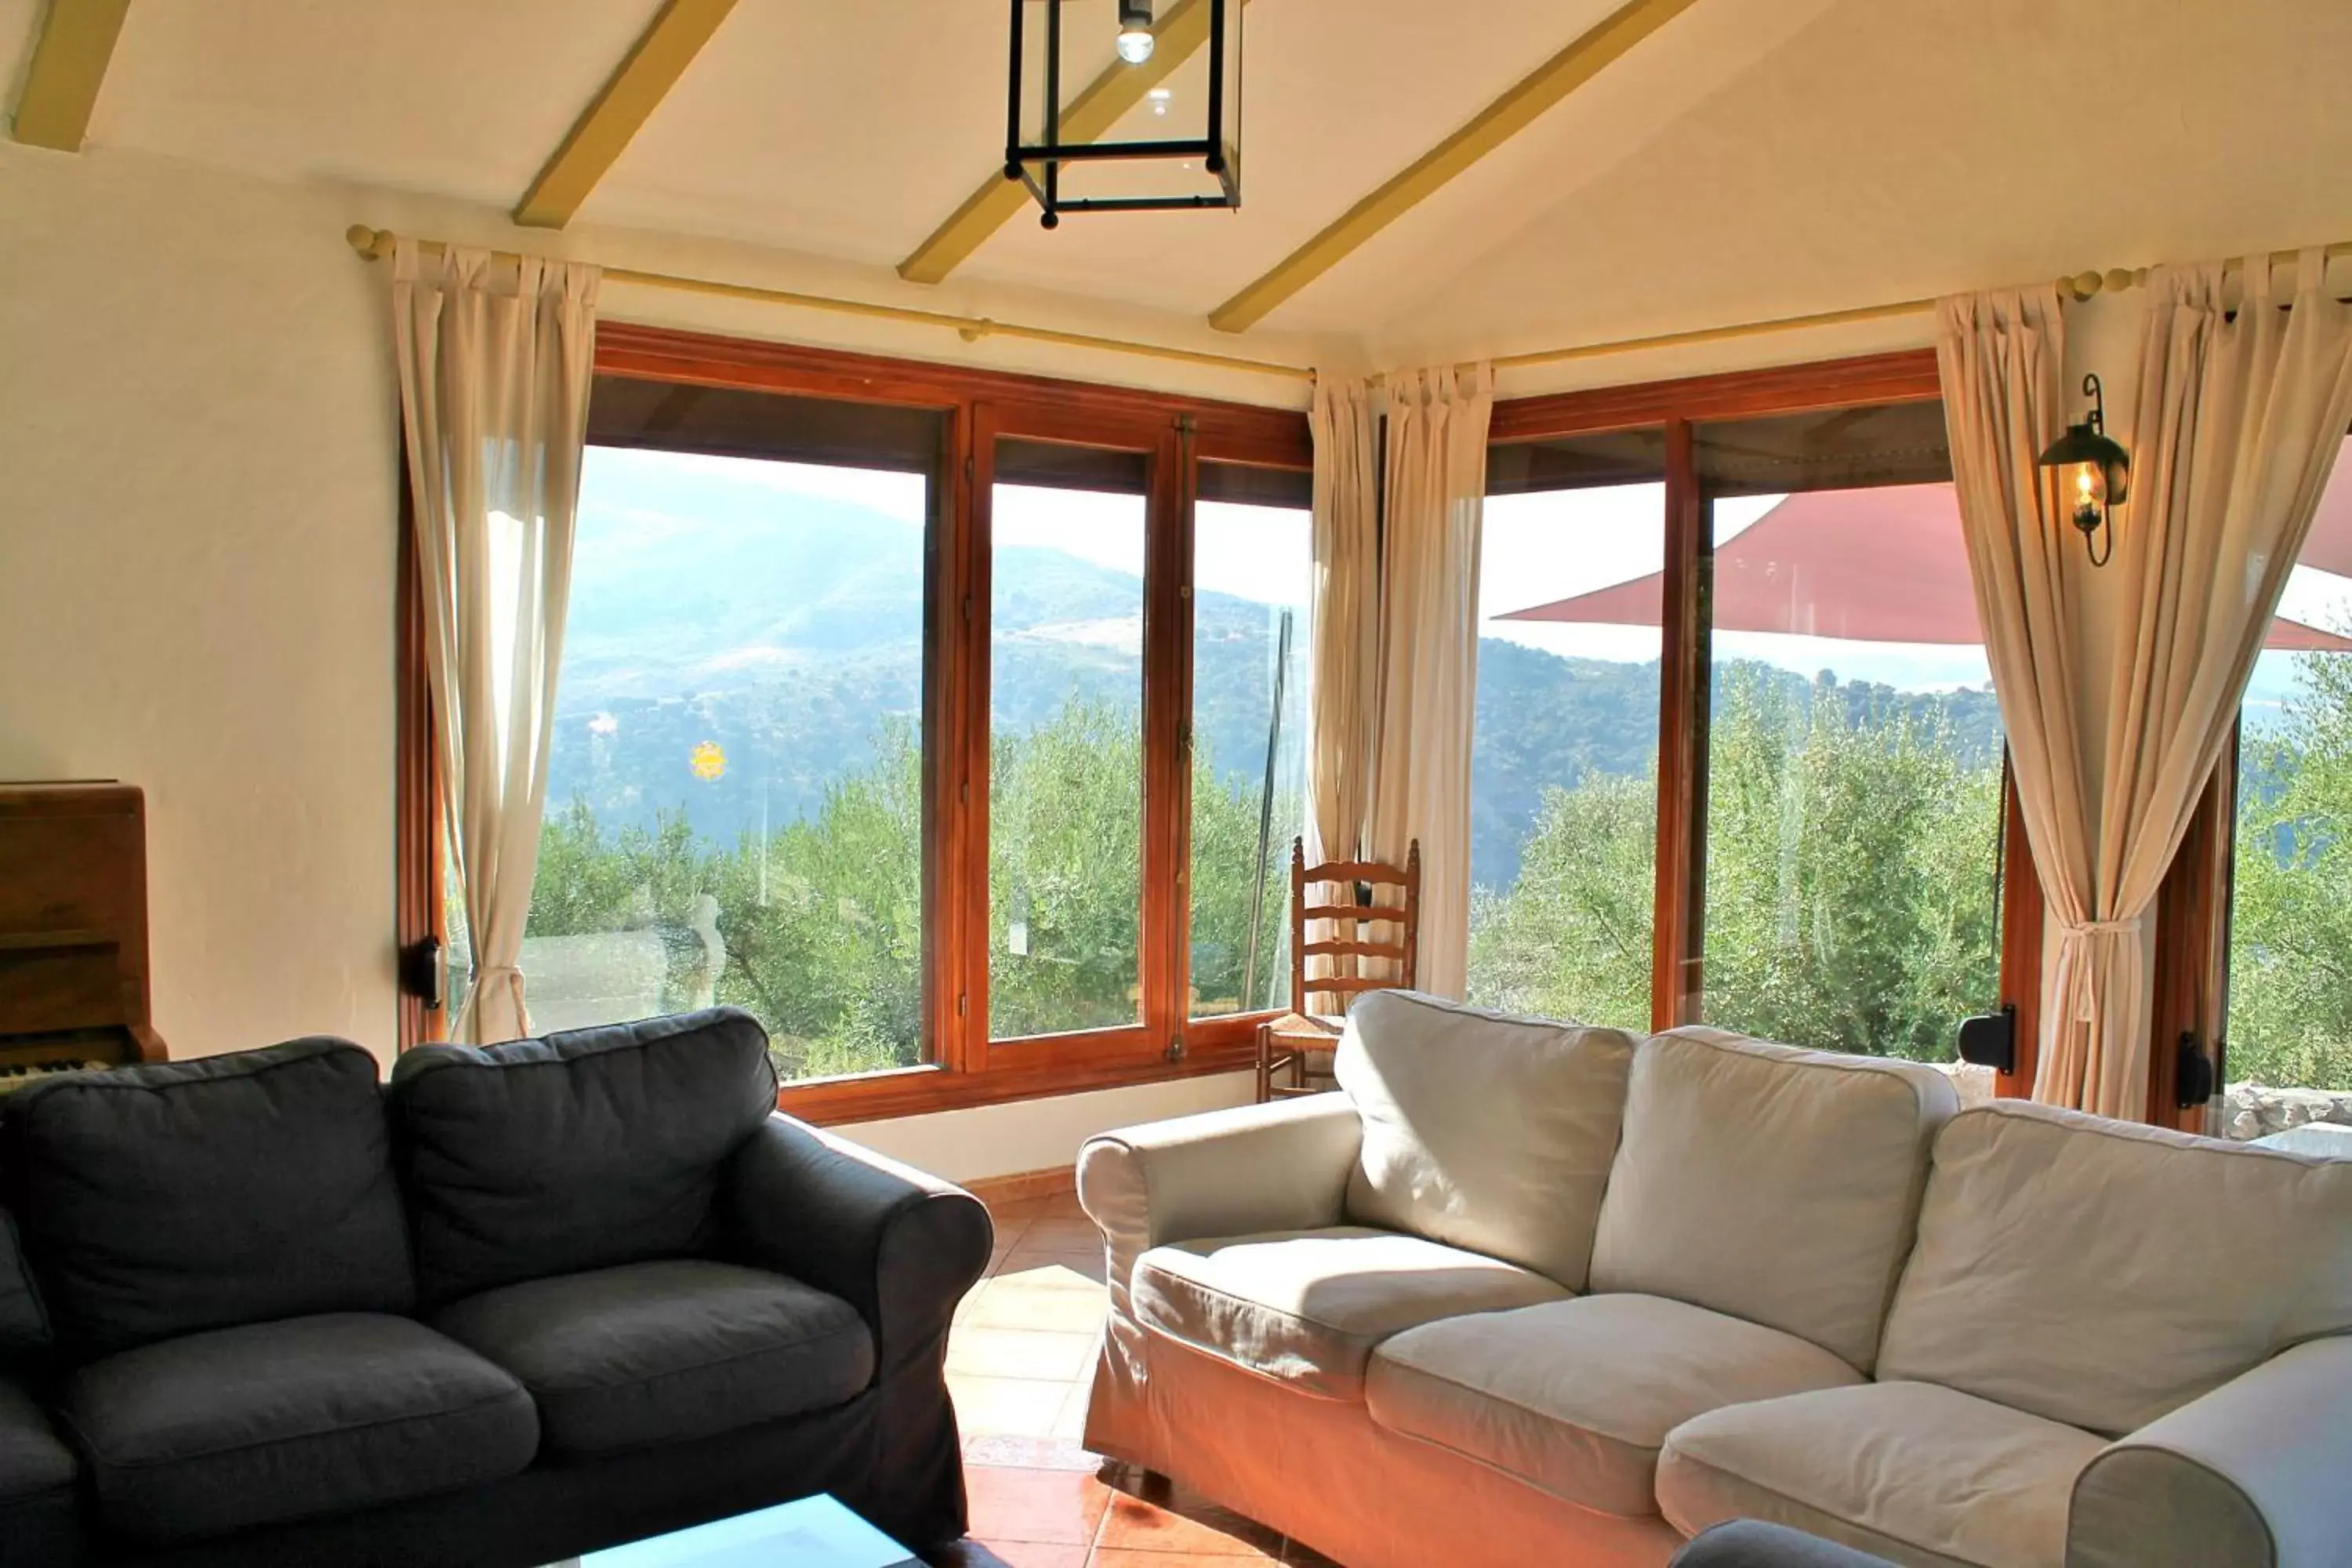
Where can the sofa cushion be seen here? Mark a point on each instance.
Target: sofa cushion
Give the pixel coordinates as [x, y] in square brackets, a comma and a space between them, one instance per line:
[581, 1151]
[1481, 1129]
[1576, 1397]
[33, 1458]
[665, 1353]
[248, 1425]
[1775, 1185]
[1307, 1307]
[23, 1324]
[2064, 1232]
[1921, 1475]
[163, 1200]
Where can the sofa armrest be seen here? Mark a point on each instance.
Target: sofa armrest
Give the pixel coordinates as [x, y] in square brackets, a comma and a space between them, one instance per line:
[2253, 1473]
[1282, 1166]
[899, 1245]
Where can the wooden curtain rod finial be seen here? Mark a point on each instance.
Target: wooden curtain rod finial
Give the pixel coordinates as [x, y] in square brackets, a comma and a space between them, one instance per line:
[368, 242]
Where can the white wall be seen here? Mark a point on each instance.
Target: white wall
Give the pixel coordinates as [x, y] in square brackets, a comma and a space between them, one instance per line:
[196, 490]
[198, 449]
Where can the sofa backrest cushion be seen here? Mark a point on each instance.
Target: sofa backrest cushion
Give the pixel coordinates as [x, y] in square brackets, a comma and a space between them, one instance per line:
[157, 1201]
[584, 1150]
[2102, 1273]
[1482, 1130]
[1776, 1185]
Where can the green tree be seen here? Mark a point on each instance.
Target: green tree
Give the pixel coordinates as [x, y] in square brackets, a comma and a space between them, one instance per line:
[1850, 894]
[2291, 923]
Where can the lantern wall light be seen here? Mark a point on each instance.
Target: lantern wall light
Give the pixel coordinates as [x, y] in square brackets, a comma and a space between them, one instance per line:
[2095, 475]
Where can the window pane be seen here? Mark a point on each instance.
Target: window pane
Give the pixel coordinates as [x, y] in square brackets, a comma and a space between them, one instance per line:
[1853, 768]
[2290, 1029]
[1563, 771]
[1065, 765]
[1252, 562]
[735, 811]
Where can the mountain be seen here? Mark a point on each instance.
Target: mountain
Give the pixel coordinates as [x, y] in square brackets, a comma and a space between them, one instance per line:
[792, 638]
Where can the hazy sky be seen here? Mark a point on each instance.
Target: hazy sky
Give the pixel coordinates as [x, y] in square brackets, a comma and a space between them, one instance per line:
[1537, 548]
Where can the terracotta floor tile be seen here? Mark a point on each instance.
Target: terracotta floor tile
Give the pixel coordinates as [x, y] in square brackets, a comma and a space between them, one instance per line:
[1070, 1426]
[1064, 1233]
[970, 1554]
[988, 1352]
[1019, 1406]
[1005, 1448]
[1128, 1557]
[1302, 1555]
[1056, 1507]
[1050, 1299]
[1193, 1525]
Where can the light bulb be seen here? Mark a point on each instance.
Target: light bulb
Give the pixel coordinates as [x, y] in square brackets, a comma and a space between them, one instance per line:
[1135, 45]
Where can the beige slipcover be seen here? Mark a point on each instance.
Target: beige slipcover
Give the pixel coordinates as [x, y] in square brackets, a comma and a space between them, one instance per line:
[2103, 1274]
[1307, 1306]
[1481, 1129]
[1576, 1397]
[1922, 1476]
[1775, 1185]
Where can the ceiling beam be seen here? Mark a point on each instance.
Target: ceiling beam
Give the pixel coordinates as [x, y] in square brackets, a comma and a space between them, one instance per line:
[1105, 103]
[68, 65]
[1490, 129]
[604, 129]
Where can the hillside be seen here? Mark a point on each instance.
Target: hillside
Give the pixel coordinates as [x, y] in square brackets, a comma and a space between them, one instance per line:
[794, 647]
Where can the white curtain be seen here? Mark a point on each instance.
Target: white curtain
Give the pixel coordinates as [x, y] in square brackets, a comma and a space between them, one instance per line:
[2238, 419]
[1343, 616]
[1434, 499]
[495, 362]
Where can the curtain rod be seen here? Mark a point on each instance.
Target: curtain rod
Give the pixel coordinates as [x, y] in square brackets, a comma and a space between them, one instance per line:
[373, 244]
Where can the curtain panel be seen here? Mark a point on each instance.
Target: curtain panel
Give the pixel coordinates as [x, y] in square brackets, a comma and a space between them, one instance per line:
[2239, 415]
[1435, 495]
[1342, 617]
[495, 361]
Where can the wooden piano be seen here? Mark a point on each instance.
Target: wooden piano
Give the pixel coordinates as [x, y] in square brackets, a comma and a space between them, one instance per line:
[73, 929]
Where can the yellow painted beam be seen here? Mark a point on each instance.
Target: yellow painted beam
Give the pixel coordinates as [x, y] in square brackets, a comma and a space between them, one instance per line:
[1490, 129]
[1106, 99]
[669, 45]
[69, 66]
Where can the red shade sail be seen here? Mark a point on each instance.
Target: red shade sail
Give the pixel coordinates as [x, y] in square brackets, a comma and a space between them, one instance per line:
[1867, 565]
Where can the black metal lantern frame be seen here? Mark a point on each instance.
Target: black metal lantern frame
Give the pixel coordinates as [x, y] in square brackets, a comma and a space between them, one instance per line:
[1042, 163]
[2101, 470]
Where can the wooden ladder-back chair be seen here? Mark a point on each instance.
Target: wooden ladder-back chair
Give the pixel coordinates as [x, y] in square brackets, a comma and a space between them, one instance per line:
[1373, 915]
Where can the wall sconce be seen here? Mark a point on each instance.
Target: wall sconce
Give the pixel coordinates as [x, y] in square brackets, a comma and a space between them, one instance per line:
[2096, 471]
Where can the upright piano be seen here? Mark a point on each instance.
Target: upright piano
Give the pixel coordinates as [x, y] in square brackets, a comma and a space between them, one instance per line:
[73, 929]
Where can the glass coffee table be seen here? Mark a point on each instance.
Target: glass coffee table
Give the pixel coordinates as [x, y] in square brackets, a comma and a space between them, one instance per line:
[815, 1532]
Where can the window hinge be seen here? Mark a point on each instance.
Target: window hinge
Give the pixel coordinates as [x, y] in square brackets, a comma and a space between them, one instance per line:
[1175, 1052]
[964, 1002]
[963, 792]
[967, 609]
[971, 467]
[1184, 739]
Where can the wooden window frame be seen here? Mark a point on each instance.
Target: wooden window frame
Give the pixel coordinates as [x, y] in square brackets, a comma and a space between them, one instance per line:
[1676, 408]
[966, 1067]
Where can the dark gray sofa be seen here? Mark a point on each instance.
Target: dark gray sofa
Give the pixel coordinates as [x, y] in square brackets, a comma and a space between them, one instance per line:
[518, 1304]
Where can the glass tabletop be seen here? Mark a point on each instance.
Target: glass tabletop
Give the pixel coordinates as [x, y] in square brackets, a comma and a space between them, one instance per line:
[815, 1532]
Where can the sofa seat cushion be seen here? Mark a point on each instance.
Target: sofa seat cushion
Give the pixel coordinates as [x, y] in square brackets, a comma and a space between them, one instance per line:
[218, 1431]
[1577, 1397]
[1919, 1474]
[1307, 1307]
[33, 1458]
[651, 1353]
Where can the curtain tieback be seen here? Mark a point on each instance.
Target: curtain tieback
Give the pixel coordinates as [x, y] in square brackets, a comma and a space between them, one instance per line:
[2099, 928]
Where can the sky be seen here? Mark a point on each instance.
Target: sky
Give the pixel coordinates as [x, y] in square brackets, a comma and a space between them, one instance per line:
[1537, 548]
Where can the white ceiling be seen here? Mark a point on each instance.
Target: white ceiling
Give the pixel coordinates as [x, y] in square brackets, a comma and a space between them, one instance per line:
[1756, 158]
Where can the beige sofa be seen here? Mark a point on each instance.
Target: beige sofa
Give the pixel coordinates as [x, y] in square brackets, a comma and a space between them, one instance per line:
[1526, 1292]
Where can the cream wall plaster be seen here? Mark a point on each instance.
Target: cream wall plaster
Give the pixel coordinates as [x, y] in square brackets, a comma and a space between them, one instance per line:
[198, 449]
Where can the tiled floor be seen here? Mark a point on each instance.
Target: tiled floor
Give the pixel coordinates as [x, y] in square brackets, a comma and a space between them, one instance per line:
[1019, 1362]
